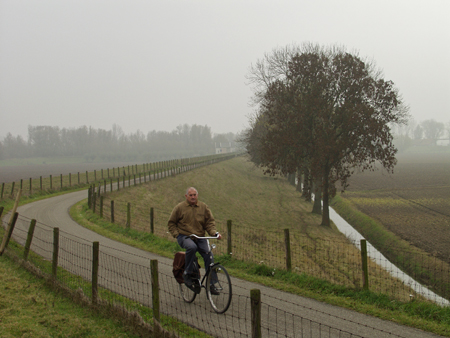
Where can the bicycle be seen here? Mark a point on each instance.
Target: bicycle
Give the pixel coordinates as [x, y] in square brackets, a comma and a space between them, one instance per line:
[220, 297]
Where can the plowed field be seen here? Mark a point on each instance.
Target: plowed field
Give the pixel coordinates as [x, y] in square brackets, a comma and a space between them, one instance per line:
[413, 203]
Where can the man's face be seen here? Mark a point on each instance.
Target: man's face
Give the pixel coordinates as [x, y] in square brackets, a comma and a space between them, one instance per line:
[192, 197]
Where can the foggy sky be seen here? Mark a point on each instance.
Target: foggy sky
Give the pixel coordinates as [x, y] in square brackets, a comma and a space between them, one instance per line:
[153, 65]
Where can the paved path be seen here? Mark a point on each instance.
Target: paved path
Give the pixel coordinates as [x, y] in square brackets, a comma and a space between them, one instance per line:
[54, 213]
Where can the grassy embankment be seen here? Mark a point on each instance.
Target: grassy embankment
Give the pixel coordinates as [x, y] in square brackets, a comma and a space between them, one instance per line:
[30, 307]
[239, 191]
[236, 190]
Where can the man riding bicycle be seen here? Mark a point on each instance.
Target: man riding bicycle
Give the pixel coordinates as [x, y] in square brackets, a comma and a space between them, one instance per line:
[193, 217]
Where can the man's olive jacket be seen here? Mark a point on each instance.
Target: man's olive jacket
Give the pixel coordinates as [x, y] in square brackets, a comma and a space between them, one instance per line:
[189, 219]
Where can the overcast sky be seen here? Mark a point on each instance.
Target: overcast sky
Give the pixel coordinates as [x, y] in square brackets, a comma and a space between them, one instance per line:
[153, 65]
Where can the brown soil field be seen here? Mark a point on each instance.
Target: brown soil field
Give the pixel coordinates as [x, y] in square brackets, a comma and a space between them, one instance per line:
[413, 203]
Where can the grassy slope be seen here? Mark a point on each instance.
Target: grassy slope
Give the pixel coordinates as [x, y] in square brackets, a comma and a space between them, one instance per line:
[29, 309]
[237, 193]
[237, 190]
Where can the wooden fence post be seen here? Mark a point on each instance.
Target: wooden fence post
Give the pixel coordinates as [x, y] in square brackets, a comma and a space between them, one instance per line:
[255, 299]
[155, 288]
[365, 269]
[31, 186]
[29, 239]
[229, 250]
[95, 251]
[78, 178]
[128, 215]
[87, 177]
[70, 179]
[55, 252]
[89, 197]
[152, 228]
[8, 233]
[11, 223]
[112, 211]
[287, 244]
[12, 189]
[94, 199]
[101, 206]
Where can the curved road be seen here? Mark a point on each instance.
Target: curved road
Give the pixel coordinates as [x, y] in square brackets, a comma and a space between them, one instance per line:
[279, 305]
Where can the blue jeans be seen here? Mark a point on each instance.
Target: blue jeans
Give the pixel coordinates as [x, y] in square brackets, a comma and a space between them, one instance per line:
[200, 245]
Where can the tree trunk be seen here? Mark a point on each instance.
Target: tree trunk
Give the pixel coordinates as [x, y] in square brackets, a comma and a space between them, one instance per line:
[306, 185]
[299, 180]
[317, 207]
[326, 210]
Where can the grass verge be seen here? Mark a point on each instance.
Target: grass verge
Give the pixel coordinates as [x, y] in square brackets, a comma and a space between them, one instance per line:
[422, 315]
[29, 308]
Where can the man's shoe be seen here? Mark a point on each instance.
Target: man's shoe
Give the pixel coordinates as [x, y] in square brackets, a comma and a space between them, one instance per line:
[188, 280]
[196, 286]
[213, 290]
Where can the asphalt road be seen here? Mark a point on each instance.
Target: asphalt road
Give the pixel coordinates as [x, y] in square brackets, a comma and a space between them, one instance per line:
[279, 305]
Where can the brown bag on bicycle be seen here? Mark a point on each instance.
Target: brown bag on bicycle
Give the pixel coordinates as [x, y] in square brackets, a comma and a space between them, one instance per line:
[178, 266]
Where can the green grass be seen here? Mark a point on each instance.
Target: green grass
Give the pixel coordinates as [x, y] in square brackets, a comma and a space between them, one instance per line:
[244, 194]
[29, 308]
[237, 191]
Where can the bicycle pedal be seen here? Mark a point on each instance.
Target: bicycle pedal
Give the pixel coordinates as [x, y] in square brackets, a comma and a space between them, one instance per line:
[196, 286]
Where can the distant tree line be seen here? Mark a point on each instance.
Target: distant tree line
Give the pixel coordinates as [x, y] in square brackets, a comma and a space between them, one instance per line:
[113, 145]
[427, 132]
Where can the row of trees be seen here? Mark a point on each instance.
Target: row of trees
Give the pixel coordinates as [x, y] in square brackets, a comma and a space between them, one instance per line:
[414, 133]
[113, 145]
[321, 113]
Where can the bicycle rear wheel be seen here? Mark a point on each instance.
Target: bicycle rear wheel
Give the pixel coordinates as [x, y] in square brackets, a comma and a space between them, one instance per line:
[187, 294]
[221, 299]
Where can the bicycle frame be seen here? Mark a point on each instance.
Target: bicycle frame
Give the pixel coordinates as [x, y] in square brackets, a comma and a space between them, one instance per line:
[219, 282]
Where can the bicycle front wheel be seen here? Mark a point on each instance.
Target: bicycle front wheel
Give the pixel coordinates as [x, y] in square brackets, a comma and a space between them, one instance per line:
[218, 288]
[187, 294]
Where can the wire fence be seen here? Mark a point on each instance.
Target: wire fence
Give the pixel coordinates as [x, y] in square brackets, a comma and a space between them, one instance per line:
[125, 287]
[422, 276]
[51, 183]
[126, 282]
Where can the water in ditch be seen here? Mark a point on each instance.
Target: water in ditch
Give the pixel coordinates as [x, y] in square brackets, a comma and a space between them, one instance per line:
[374, 254]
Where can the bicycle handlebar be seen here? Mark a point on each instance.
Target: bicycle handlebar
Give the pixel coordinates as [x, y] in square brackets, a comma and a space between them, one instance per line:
[198, 237]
